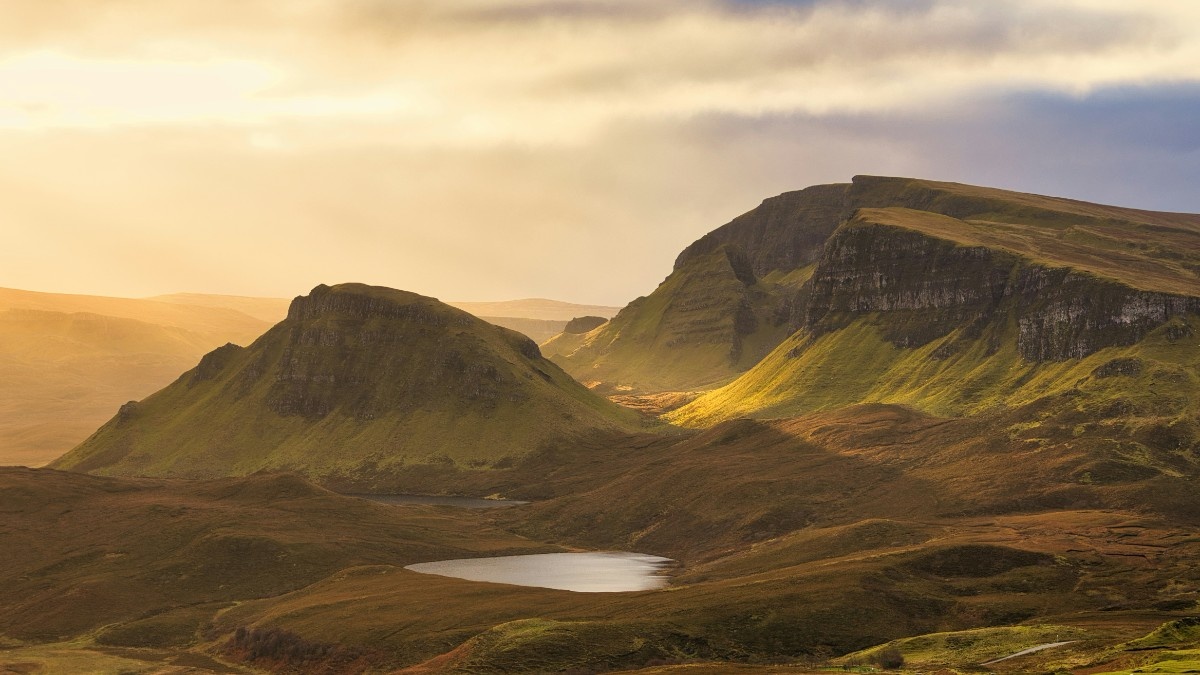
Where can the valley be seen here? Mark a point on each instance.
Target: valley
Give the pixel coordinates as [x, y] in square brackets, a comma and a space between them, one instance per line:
[891, 424]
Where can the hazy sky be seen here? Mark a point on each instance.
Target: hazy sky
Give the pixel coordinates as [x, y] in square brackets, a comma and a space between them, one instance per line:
[493, 149]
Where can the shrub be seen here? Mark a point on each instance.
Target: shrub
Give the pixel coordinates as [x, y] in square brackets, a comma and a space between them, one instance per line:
[889, 658]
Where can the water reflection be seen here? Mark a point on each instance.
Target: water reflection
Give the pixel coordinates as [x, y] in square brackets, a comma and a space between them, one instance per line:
[605, 572]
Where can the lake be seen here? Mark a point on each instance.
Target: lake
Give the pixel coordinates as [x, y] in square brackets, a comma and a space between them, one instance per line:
[438, 500]
[600, 572]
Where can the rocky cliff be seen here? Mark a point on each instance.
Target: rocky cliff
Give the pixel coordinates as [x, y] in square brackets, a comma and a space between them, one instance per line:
[357, 381]
[724, 306]
[998, 307]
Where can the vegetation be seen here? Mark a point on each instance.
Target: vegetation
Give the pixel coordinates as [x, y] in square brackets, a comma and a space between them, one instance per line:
[977, 447]
[704, 324]
[359, 383]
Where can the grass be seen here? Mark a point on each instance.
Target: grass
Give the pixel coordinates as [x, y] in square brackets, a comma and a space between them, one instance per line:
[857, 364]
[957, 649]
[683, 336]
[77, 658]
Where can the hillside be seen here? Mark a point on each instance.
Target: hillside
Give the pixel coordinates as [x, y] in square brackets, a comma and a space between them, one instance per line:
[699, 327]
[147, 563]
[358, 383]
[798, 539]
[1009, 303]
[723, 307]
[68, 361]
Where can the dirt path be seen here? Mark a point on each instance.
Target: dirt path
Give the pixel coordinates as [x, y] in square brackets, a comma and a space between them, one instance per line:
[1031, 650]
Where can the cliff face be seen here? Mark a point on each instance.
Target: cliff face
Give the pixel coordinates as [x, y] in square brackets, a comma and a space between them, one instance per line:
[725, 305]
[357, 379]
[958, 316]
[711, 319]
[783, 234]
[926, 287]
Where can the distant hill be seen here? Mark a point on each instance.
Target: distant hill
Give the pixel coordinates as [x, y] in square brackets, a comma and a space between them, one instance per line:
[538, 330]
[271, 310]
[358, 382]
[537, 318]
[68, 361]
[534, 308]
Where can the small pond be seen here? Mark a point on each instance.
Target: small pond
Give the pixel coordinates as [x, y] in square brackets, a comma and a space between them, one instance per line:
[437, 500]
[603, 572]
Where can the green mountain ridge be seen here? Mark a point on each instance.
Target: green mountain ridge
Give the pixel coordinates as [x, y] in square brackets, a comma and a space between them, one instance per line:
[357, 382]
[944, 296]
[923, 309]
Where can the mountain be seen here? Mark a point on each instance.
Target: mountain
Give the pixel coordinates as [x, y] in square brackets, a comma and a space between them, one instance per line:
[721, 310]
[808, 261]
[357, 383]
[956, 300]
[67, 361]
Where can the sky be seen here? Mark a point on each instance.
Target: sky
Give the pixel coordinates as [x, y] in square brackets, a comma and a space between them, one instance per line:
[569, 149]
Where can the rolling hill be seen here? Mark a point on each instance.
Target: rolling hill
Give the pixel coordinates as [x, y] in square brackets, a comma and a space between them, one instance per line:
[358, 383]
[68, 361]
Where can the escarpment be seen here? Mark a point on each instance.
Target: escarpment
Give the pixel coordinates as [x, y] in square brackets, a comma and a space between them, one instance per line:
[930, 261]
[925, 287]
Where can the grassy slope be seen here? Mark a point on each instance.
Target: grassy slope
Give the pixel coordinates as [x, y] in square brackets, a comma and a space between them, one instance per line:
[965, 372]
[798, 538]
[144, 563]
[681, 336]
[444, 389]
[857, 365]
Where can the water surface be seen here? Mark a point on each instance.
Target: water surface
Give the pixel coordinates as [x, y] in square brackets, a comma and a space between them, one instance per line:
[439, 500]
[605, 572]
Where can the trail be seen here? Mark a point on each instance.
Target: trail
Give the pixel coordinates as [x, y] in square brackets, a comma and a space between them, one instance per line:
[1031, 650]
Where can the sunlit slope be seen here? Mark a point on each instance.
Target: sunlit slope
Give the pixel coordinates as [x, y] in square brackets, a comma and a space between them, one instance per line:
[955, 317]
[723, 307]
[358, 382]
[689, 317]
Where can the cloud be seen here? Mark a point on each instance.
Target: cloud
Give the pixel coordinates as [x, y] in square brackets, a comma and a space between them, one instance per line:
[559, 71]
[483, 149]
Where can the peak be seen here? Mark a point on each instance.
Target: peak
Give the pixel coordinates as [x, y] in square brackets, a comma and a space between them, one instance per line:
[362, 301]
